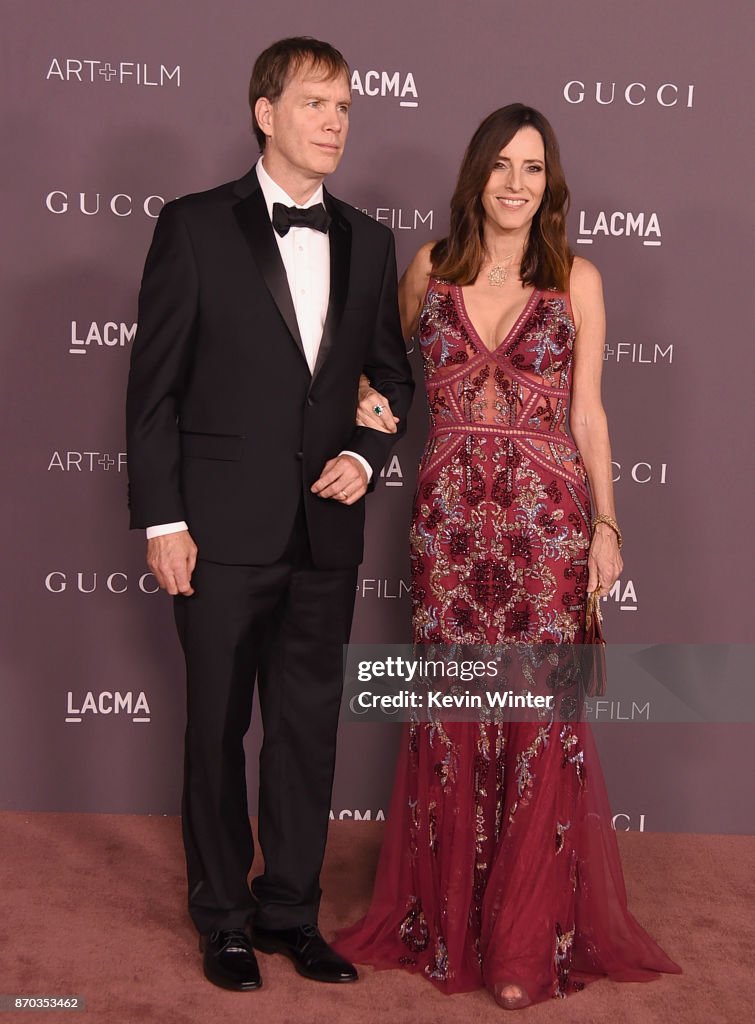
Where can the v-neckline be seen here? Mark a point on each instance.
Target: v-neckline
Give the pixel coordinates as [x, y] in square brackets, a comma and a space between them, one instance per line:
[477, 337]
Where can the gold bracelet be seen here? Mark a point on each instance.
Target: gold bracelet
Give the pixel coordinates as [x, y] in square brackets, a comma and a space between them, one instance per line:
[609, 521]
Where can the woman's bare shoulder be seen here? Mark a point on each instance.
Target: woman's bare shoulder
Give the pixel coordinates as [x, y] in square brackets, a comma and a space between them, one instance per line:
[421, 265]
[417, 274]
[584, 278]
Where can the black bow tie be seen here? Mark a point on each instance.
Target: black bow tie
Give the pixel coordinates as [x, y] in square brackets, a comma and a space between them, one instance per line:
[286, 217]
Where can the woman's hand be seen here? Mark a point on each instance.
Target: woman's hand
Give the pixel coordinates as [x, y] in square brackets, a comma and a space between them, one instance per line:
[604, 563]
[369, 401]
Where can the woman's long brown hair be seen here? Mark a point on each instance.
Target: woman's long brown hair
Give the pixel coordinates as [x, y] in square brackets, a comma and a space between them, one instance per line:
[547, 257]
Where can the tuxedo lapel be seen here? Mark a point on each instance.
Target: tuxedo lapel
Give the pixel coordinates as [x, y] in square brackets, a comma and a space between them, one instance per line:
[340, 260]
[251, 214]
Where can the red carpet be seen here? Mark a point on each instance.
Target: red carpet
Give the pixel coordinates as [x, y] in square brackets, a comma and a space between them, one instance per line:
[94, 906]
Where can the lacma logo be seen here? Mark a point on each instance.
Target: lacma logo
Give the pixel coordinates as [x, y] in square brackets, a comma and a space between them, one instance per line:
[624, 594]
[618, 224]
[386, 83]
[109, 335]
[108, 703]
[346, 815]
[391, 474]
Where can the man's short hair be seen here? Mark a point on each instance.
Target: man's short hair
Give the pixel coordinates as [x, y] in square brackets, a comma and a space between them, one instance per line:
[275, 66]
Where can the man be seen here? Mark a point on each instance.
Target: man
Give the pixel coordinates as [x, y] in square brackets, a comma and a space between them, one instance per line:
[261, 302]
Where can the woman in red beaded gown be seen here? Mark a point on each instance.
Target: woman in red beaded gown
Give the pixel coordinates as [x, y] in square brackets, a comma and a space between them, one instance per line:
[499, 865]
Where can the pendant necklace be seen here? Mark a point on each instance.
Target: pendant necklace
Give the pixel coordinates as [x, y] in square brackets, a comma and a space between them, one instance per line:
[498, 273]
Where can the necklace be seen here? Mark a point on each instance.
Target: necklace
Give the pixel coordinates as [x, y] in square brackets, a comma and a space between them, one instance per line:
[498, 273]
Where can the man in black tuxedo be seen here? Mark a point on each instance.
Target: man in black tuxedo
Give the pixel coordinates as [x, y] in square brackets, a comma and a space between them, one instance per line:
[262, 301]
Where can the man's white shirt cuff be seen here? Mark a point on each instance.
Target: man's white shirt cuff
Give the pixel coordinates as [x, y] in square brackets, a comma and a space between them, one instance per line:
[365, 463]
[160, 531]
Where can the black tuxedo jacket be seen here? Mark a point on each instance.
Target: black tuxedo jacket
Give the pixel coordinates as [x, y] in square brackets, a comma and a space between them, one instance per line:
[226, 425]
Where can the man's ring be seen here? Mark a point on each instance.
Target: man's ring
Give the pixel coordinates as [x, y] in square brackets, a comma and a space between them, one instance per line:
[378, 409]
[344, 495]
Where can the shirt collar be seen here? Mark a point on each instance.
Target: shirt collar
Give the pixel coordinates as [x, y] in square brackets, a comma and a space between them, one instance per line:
[273, 193]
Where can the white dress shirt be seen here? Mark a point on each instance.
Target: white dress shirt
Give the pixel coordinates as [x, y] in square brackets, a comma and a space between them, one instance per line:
[306, 258]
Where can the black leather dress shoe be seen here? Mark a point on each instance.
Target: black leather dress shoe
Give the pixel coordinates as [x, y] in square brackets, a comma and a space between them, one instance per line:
[307, 949]
[229, 960]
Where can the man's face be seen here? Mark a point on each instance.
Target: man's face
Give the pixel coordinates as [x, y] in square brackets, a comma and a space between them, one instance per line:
[306, 127]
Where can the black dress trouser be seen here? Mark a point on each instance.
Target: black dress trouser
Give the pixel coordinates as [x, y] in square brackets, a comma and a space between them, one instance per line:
[284, 624]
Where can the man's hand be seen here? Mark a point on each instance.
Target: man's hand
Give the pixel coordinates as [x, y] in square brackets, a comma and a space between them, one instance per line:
[172, 558]
[342, 479]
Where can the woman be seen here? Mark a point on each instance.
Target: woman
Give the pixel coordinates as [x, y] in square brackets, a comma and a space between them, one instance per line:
[499, 865]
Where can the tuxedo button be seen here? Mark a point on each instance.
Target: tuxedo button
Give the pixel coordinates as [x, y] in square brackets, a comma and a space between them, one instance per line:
[300, 456]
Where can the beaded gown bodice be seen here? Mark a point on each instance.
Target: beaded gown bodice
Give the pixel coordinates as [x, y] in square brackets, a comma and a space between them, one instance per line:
[521, 389]
[501, 521]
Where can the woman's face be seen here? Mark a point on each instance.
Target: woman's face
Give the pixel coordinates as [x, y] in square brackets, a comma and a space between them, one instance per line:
[515, 188]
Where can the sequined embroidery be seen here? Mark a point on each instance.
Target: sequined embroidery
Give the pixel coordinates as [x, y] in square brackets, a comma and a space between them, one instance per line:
[413, 929]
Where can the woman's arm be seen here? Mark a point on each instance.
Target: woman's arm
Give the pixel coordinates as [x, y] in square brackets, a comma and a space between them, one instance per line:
[412, 288]
[587, 420]
[411, 294]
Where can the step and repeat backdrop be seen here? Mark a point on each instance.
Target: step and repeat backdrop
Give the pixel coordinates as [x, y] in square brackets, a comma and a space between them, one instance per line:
[111, 109]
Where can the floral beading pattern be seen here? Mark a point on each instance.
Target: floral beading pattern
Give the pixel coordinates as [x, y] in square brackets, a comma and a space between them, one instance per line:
[499, 542]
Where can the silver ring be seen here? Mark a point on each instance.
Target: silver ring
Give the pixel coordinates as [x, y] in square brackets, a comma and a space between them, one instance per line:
[378, 409]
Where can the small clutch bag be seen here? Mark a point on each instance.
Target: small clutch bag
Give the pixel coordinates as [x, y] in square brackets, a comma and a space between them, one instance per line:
[594, 649]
